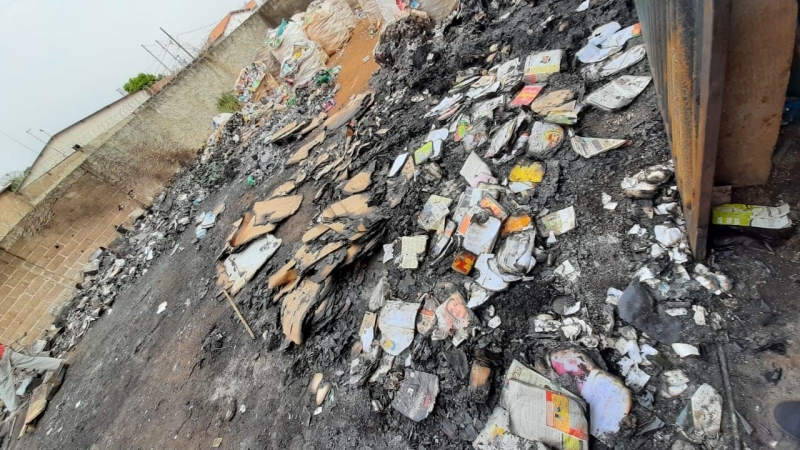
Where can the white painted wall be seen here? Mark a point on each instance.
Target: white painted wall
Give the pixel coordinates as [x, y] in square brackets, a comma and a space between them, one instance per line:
[82, 133]
[236, 20]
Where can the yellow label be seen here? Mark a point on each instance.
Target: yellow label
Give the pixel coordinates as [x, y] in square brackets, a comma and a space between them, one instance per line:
[532, 174]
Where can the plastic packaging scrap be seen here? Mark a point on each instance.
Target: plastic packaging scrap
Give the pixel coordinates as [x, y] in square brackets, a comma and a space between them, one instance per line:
[525, 176]
[702, 416]
[329, 23]
[417, 395]
[566, 114]
[645, 183]
[220, 120]
[685, 350]
[501, 138]
[539, 411]
[241, 267]
[527, 95]
[303, 63]
[485, 109]
[397, 322]
[616, 64]
[476, 171]
[619, 93]
[622, 36]
[716, 282]
[770, 217]
[489, 276]
[446, 104]
[544, 139]
[552, 100]
[412, 249]
[509, 74]
[593, 52]
[484, 86]
[283, 39]
[516, 254]
[367, 330]
[539, 66]
[434, 213]
[637, 307]
[497, 435]
[453, 318]
[608, 398]
[588, 147]
[558, 222]
[481, 236]
[249, 80]
[674, 383]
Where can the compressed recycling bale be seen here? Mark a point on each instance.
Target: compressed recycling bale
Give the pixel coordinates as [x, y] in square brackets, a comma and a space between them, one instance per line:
[329, 24]
[283, 39]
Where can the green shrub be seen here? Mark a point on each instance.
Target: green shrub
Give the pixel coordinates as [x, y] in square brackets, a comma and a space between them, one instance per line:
[227, 103]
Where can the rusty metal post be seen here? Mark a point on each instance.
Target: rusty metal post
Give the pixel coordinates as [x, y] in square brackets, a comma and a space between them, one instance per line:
[716, 22]
[687, 43]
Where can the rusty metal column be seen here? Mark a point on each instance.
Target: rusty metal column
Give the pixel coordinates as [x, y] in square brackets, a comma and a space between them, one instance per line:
[716, 23]
[687, 43]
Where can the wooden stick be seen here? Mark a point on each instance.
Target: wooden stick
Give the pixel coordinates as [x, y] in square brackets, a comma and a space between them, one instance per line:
[726, 381]
[241, 317]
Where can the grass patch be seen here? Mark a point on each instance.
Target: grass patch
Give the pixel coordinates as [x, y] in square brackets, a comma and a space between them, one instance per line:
[227, 103]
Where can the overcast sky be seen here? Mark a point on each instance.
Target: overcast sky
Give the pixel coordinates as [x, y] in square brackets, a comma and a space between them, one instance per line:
[64, 59]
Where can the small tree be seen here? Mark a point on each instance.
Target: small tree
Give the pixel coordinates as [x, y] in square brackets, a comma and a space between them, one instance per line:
[141, 81]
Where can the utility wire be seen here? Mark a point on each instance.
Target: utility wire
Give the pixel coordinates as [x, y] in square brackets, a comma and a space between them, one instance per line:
[18, 142]
[211, 24]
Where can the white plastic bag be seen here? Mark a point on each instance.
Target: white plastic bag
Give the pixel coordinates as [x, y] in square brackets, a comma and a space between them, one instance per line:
[303, 63]
[265, 56]
[283, 39]
[371, 10]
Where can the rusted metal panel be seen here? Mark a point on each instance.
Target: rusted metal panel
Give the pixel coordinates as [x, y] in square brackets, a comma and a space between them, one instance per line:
[686, 44]
[762, 38]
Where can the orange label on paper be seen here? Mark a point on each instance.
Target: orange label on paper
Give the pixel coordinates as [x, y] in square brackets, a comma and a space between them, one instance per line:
[491, 205]
[464, 262]
[515, 223]
[526, 95]
[558, 412]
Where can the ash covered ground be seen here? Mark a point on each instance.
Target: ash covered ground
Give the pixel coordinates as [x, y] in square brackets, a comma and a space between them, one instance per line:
[182, 378]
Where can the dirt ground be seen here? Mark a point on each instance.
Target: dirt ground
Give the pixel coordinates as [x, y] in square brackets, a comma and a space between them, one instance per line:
[355, 74]
[190, 375]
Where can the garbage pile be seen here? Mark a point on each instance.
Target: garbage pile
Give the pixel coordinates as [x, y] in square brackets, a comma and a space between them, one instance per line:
[473, 237]
[144, 236]
[449, 220]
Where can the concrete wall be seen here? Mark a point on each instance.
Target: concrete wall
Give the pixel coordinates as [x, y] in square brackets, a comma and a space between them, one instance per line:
[178, 118]
[74, 209]
[13, 208]
[82, 133]
[38, 272]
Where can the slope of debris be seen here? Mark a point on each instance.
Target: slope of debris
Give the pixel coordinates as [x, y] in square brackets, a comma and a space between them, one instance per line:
[465, 254]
